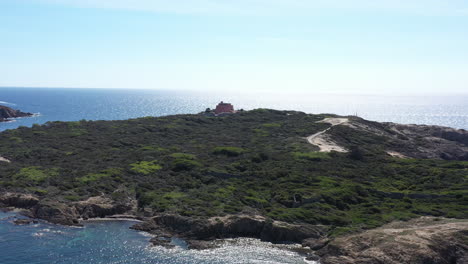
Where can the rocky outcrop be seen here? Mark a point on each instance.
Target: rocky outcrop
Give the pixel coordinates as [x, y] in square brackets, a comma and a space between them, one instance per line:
[315, 244]
[7, 112]
[280, 232]
[100, 206]
[228, 227]
[426, 240]
[25, 221]
[163, 242]
[407, 141]
[435, 142]
[56, 213]
[65, 214]
[18, 200]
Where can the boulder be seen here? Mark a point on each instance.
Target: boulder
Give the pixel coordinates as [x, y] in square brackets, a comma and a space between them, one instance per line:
[283, 232]
[162, 241]
[18, 200]
[100, 206]
[24, 221]
[56, 213]
[201, 244]
[314, 243]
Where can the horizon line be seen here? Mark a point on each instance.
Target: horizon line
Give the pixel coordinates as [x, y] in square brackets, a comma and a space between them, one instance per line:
[383, 93]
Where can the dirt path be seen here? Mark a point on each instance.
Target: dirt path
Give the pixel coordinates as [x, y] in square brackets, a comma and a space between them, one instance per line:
[396, 154]
[321, 140]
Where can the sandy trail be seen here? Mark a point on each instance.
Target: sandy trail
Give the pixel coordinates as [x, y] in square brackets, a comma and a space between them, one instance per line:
[396, 154]
[4, 160]
[321, 140]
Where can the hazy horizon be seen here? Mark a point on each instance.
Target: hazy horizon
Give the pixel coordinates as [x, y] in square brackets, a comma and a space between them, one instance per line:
[355, 47]
[271, 92]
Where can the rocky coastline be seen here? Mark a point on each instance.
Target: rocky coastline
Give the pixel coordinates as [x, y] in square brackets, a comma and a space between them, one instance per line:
[428, 240]
[7, 113]
[164, 225]
[200, 232]
[432, 240]
[267, 183]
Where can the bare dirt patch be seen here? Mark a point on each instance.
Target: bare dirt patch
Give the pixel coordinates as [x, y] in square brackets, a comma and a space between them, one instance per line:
[323, 141]
[396, 154]
[2, 159]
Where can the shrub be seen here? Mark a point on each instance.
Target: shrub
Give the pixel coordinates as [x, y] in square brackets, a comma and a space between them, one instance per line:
[356, 153]
[272, 125]
[228, 151]
[259, 157]
[72, 198]
[36, 174]
[145, 167]
[314, 156]
[37, 191]
[184, 164]
[93, 177]
[183, 156]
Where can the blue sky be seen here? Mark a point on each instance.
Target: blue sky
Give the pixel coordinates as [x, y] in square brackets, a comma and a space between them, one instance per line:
[361, 46]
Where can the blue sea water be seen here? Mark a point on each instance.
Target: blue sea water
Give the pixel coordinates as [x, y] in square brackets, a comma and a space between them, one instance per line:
[113, 242]
[111, 104]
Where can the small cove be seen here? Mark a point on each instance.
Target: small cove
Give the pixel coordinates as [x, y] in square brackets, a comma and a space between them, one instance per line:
[113, 242]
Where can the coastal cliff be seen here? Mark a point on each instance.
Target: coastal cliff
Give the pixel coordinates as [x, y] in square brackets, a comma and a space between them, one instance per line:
[426, 240]
[7, 113]
[241, 225]
[274, 175]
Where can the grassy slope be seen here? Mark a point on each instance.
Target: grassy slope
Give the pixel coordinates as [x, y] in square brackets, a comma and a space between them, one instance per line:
[206, 166]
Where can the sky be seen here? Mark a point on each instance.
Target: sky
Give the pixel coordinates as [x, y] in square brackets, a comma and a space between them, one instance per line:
[336, 46]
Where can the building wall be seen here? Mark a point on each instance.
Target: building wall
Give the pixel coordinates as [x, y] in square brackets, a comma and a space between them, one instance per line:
[224, 108]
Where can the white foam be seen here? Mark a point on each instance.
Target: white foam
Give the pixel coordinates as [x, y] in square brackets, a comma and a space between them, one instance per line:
[310, 261]
[146, 234]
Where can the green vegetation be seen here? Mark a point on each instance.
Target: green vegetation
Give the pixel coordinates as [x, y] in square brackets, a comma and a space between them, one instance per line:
[108, 173]
[145, 167]
[183, 156]
[35, 174]
[229, 151]
[271, 125]
[314, 156]
[203, 166]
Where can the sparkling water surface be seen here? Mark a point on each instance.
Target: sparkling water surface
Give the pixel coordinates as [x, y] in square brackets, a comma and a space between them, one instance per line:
[113, 242]
[112, 104]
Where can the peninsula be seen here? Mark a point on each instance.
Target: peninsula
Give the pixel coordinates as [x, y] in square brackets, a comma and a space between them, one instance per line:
[7, 113]
[348, 189]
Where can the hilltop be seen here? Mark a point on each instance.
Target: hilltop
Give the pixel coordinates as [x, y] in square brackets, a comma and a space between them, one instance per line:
[254, 173]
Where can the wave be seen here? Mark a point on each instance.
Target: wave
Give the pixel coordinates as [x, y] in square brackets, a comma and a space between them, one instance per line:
[7, 103]
[8, 121]
[13, 119]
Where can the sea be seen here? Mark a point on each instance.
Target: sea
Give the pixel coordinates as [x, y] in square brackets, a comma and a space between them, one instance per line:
[67, 104]
[113, 241]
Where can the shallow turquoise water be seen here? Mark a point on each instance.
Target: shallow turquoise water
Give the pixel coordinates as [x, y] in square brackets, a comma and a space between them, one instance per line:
[113, 242]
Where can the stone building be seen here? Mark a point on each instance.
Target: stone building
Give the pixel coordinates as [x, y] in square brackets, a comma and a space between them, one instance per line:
[224, 108]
